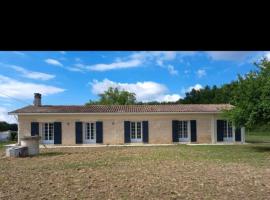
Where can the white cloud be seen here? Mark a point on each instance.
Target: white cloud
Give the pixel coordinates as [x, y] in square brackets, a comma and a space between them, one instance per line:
[170, 98]
[172, 70]
[5, 117]
[19, 53]
[62, 52]
[229, 55]
[267, 55]
[115, 65]
[196, 87]
[53, 62]
[135, 60]
[201, 72]
[24, 90]
[31, 74]
[145, 91]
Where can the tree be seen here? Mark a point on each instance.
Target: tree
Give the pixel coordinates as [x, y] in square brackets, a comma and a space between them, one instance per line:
[114, 96]
[251, 96]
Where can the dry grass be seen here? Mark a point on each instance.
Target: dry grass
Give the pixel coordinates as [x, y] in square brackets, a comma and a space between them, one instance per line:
[174, 172]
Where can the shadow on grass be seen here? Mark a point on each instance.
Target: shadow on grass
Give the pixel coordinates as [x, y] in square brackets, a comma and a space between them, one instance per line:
[261, 148]
[49, 154]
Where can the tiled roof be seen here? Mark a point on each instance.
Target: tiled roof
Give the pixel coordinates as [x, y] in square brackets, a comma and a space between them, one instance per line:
[124, 108]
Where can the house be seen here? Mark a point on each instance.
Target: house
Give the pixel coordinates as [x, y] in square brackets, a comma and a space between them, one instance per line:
[120, 124]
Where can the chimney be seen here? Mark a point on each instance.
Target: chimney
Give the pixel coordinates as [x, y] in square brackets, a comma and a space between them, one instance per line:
[37, 99]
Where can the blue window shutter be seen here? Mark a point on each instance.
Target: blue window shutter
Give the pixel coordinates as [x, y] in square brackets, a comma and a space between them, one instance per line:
[78, 132]
[34, 128]
[99, 129]
[127, 131]
[193, 130]
[57, 133]
[145, 131]
[174, 131]
[238, 134]
[220, 130]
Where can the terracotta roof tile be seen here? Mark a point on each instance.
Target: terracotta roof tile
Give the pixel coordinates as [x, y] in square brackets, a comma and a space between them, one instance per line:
[124, 108]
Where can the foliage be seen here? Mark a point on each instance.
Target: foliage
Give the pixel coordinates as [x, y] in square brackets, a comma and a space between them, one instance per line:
[4, 126]
[13, 136]
[114, 96]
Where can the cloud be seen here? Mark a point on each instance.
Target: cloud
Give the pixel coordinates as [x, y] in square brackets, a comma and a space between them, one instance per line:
[19, 53]
[62, 52]
[201, 72]
[137, 59]
[236, 56]
[53, 62]
[196, 87]
[172, 70]
[5, 117]
[24, 90]
[31, 74]
[115, 65]
[145, 91]
[267, 55]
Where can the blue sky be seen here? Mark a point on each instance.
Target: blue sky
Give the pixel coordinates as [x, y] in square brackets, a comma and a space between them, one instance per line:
[74, 77]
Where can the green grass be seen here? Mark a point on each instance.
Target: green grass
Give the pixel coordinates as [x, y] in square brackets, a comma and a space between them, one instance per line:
[258, 136]
[2, 144]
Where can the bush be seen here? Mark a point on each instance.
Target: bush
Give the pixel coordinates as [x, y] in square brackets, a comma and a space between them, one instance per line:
[13, 136]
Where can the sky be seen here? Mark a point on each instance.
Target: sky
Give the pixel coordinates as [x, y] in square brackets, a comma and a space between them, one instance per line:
[75, 77]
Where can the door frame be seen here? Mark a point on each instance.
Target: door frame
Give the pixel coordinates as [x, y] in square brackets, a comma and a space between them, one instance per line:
[188, 139]
[43, 132]
[89, 141]
[136, 140]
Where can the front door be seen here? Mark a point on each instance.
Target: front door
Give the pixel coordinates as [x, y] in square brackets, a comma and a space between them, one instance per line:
[228, 132]
[183, 131]
[90, 133]
[136, 132]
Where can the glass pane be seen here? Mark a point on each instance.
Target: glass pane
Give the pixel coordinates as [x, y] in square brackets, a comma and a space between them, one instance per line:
[92, 131]
[46, 131]
[132, 130]
[185, 129]
[180, 131]
[87, 135]
[139, 130]
[229, 129]
[225, 128]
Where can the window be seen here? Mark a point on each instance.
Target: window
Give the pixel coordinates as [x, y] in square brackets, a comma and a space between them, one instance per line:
[228, 133]
[90, 132]
[183, 131]
[48, 133]
[136, 131]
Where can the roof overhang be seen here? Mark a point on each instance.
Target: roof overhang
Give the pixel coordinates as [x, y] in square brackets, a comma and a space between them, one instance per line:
[124, 113]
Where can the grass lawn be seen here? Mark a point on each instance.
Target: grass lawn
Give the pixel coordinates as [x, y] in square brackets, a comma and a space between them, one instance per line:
[165, 172]
[258, 136]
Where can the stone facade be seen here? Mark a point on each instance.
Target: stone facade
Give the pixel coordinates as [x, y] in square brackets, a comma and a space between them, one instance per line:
[160, 125]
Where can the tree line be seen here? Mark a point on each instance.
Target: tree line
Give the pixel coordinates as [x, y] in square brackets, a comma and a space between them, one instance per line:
[4, 126]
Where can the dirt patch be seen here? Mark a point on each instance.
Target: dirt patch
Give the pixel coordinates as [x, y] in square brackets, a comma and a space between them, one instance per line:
[130, 173]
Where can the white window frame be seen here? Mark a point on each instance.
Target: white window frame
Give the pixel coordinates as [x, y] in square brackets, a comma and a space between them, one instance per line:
[89, 141]
[136, 139]
[187, 139]
[46, 140]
